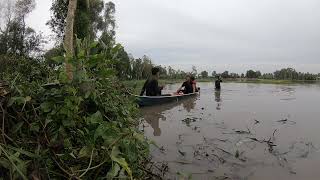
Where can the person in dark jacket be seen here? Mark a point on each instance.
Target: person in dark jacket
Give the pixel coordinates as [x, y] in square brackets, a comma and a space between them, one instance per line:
[186, 87]
[151, 86]
[218, 83]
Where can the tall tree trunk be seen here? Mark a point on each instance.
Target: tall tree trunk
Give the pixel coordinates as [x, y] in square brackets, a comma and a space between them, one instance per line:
[68, 37]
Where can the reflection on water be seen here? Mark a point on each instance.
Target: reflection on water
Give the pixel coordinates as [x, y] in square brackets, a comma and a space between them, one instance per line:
[262, 132]
[154, 114]
[217, 95]
[153, 119]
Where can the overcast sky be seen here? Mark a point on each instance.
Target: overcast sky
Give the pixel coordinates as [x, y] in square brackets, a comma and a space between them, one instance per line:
[216, 35]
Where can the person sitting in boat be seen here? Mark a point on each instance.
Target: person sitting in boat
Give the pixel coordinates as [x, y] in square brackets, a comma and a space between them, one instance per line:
[218, 83]
[194, 84]
[186, 87]
[151, 86]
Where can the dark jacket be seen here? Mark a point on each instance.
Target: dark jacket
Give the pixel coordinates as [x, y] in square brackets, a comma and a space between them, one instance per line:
[217, 83]
[187, 87]
[151, 87]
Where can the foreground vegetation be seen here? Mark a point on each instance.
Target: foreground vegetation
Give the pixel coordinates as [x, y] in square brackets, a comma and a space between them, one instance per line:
[64, 113]
[56, 128]
[66, 117]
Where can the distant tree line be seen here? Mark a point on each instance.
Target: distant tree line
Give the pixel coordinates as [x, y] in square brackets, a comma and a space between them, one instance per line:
[140, 68]
[98, 23]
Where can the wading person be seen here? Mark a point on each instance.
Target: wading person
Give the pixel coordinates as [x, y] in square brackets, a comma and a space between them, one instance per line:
[186, 87]
[218, 83]
[151, 86]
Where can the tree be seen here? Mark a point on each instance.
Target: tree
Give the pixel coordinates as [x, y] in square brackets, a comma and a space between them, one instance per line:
[50, 54]
[267, 76]
[214, 73]
[109, 24]
[89, 18]
[122, 64]
[16, 38]
[194, 71]
[253, 74]
[163, 72]
[258, 74]
[68, 36]
[225, 74]
[204, 74]
[146, 67]
[234, 75]
[92, 18]
[292, 74]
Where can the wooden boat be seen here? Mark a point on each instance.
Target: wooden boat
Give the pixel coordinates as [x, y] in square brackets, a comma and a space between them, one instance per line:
[155, 100]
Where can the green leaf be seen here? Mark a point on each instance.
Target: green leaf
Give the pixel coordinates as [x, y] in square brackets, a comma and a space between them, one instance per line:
[63, 77]
[72, 155]
[28, 98]
[138, 137]
[114, 171]
[96, 118]
[87, 95]
[94, 44]
[17, 127]
[18, 100]
[34, 127]
[115, 156]
[47, 122]
[21, 151]
[4, 163]
[46, 107]
[85, 152]
[58, 59]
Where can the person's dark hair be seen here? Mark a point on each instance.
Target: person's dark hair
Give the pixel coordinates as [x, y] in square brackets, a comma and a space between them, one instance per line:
[192, 78]
[155, 70]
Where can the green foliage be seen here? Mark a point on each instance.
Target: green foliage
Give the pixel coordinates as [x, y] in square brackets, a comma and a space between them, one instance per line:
[15, 37]
[26, 68]
[253, 74]
[292, 74]
[79, 129]
[89, 20]
[204, 74]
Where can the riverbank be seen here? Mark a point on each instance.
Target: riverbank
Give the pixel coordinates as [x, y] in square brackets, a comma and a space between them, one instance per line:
[136, 85]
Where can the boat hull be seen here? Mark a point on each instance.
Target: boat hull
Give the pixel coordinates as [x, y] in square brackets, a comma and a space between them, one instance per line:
[156, 100]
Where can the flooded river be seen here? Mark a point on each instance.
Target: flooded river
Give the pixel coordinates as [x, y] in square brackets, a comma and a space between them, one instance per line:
[244, 131]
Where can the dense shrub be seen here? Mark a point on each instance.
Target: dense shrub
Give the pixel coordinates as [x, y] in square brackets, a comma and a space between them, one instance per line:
[30, 69]
[82, 129]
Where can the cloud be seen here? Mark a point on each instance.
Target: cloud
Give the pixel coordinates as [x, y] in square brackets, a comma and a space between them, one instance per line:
[214, 32]
[234, 34]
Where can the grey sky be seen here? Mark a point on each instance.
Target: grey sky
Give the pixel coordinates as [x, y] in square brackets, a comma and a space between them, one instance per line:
[216, 35]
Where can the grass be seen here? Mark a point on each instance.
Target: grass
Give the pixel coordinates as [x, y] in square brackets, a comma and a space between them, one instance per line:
[136, 85]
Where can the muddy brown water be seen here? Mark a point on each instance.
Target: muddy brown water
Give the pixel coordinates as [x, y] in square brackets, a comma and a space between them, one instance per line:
[244, 131]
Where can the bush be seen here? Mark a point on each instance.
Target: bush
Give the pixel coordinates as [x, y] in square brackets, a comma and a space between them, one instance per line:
[28, 68]
[84, 128]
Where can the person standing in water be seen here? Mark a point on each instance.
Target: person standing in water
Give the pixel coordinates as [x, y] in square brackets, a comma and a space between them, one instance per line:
[151, 86]
[218, 83]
